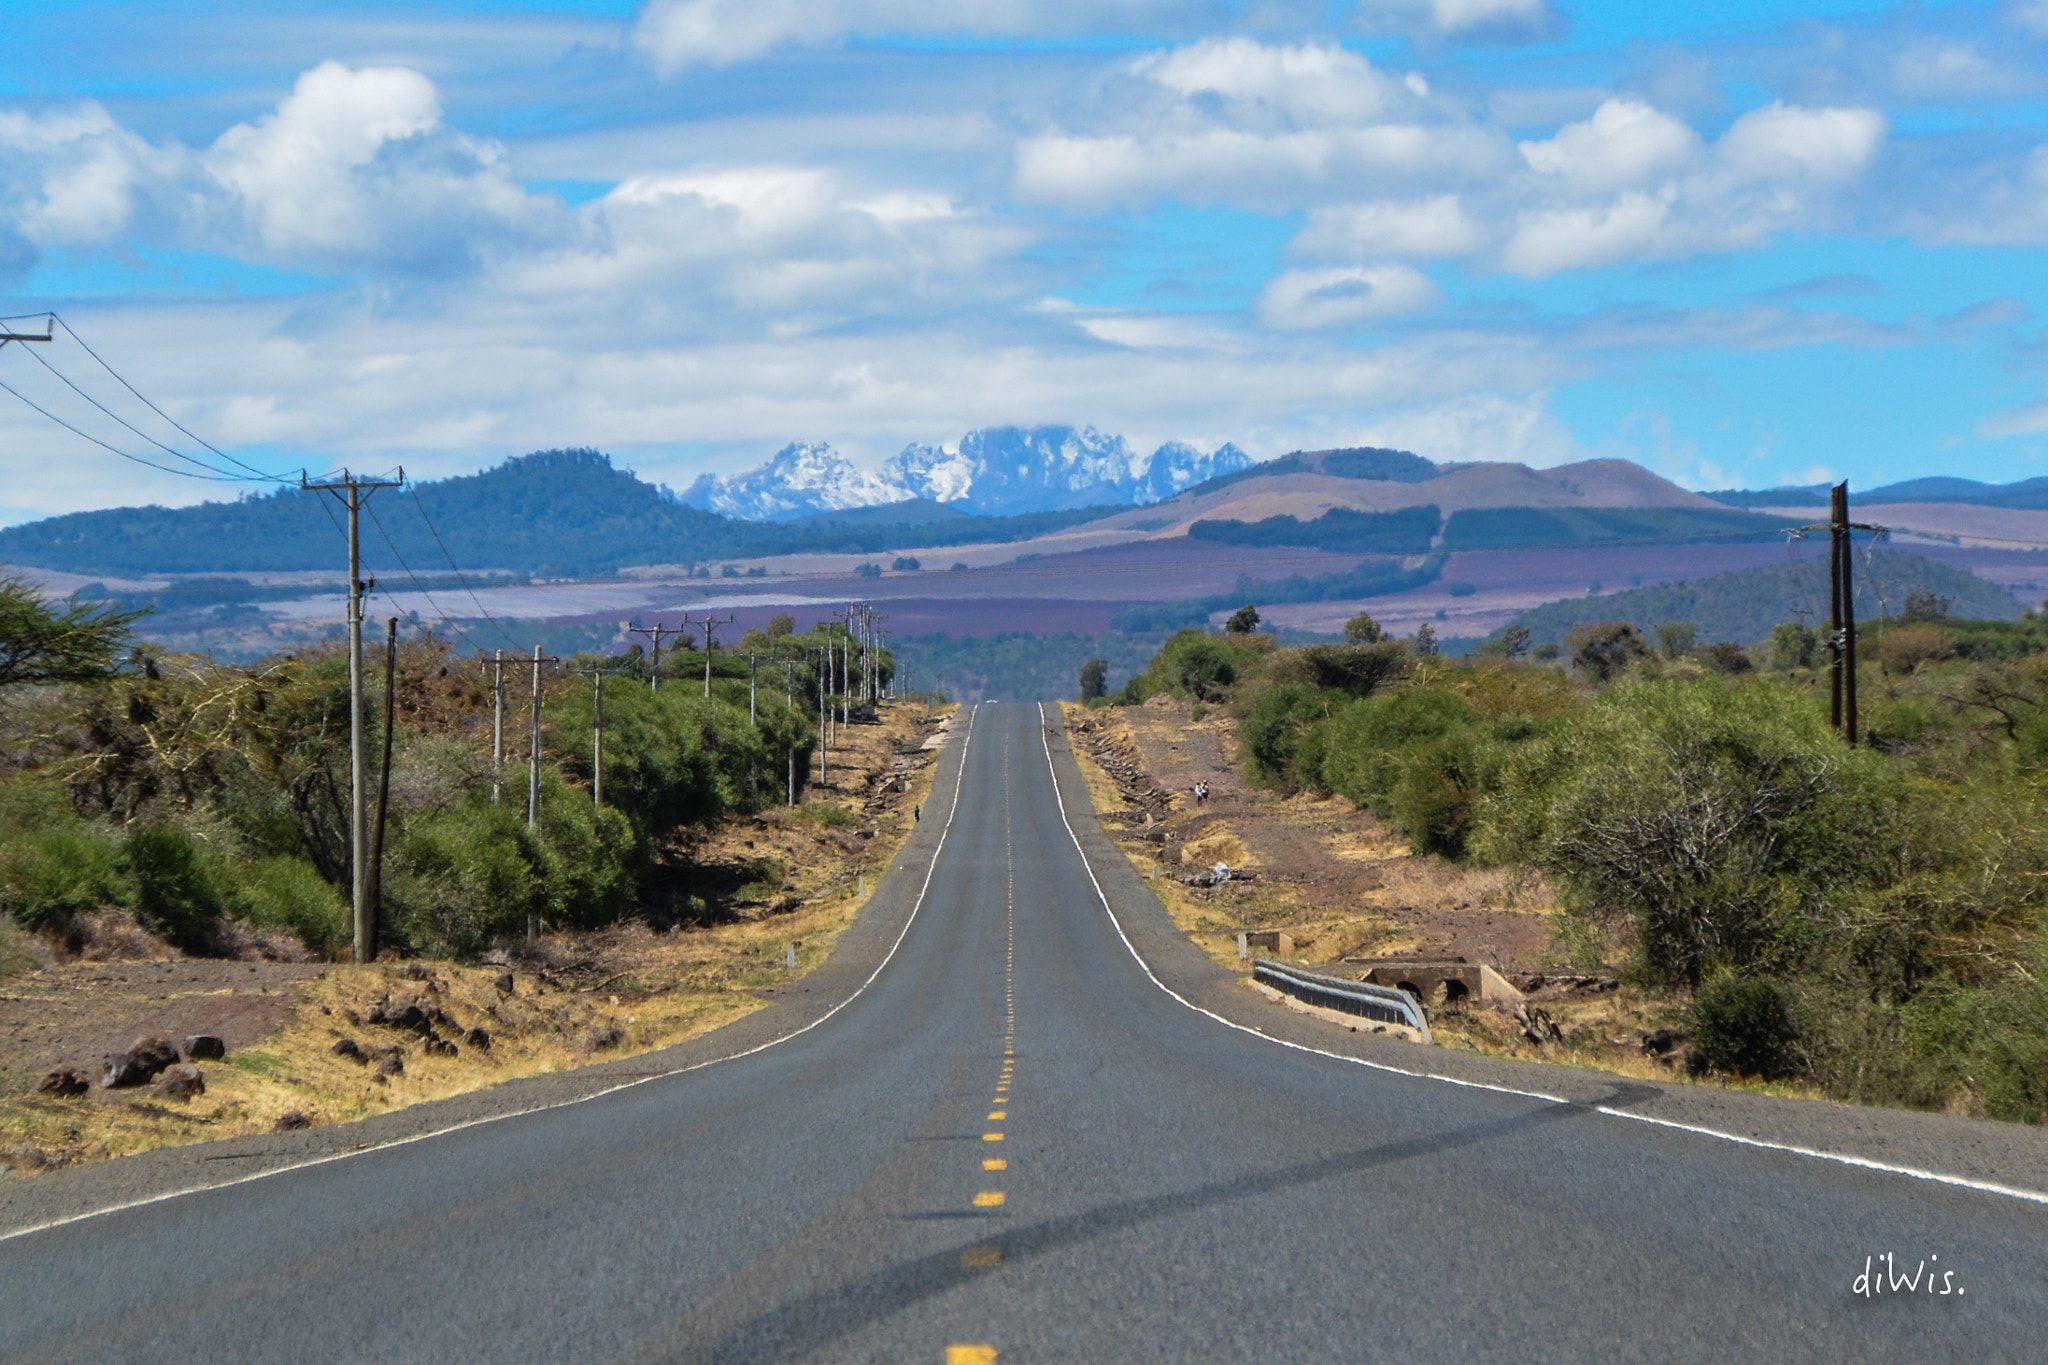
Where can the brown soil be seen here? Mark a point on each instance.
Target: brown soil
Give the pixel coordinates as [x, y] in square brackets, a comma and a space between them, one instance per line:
[616, 992]
[1344, 883]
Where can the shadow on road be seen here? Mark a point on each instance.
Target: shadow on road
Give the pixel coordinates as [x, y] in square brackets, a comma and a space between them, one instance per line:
[800, 1326]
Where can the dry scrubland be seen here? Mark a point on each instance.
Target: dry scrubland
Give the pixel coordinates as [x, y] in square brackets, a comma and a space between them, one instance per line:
[721, 902]
[1686, 871]
[1344, 886]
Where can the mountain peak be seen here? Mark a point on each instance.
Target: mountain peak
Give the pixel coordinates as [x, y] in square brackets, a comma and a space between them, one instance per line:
[992, 471]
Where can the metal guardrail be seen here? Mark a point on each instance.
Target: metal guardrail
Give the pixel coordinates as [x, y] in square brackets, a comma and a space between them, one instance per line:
[1367, 1001]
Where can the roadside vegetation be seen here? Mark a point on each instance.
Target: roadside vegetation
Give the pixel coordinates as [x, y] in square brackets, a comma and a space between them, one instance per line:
[164, 818]
[210, 801]
[1863, 921]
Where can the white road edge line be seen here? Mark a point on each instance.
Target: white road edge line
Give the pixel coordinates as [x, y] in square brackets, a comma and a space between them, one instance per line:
[1842, 1158]
[958, 778]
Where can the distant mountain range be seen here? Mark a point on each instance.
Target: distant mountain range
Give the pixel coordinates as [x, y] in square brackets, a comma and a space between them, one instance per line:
[995, 471]
[2028, 495]
[554, 513]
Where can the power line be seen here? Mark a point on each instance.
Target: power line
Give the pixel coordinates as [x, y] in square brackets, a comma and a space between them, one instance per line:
[168, 469]
[168, 450]
[429, 521]
[153, 407]
[446, 620]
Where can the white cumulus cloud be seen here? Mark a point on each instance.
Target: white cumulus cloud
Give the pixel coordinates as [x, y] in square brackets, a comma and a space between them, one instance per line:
[1624, 145]
[1637, 185]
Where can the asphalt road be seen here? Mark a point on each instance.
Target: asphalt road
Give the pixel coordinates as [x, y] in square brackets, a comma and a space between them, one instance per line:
[1014, 1139]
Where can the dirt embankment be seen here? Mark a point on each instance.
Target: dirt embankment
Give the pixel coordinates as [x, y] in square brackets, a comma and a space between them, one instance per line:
[1346, 890]
[315, 1043]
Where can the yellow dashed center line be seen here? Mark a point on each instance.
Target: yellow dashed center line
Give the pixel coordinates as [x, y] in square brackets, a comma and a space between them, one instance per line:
[988, 1255]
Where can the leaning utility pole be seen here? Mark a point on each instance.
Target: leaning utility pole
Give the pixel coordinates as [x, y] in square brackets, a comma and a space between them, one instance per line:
[376, 896]
[352, 491]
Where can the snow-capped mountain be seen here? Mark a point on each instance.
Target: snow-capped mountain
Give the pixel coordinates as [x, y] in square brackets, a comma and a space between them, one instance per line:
[997, 470]
[799, 480]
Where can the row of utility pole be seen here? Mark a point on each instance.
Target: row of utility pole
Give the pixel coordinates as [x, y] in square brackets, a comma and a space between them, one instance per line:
[837, 669]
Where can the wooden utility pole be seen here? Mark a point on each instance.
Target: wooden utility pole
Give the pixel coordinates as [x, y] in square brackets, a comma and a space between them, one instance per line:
[533, 758]
[824, 714]
[497, 666]
[533, 751]
[789, 697]
[352, 491]
[376, 897]
[654, 661]
[597, 676]
[1842, 710]
[710, 623]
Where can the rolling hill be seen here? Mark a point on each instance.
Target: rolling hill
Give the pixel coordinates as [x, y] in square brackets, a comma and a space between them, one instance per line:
[1745, 605]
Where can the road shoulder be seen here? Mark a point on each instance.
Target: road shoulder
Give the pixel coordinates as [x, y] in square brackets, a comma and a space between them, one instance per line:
[1985, 1151]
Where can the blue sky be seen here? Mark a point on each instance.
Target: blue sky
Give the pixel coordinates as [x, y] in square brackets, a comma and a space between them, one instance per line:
[1781, 242]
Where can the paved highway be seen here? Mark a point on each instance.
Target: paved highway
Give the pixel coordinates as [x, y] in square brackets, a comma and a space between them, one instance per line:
[1015, 1140]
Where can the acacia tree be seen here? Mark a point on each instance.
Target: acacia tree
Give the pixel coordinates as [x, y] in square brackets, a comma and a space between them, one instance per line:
[81, 642]
[1243, 621]
[1094, 679]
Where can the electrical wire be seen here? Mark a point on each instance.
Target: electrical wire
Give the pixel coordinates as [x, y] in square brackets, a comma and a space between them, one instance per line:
[446, 620]
[168, 450]
[168, 469]
[436, 534]
[154, 408]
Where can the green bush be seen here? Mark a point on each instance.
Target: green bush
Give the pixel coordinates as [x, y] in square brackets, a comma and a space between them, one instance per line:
[1744, 1025]
[1198, 665]
[1363, 756]
[1273, 728]
[1727, 825]
[288, 893]
[47, 876]
[173, 889]
[462, 878]
[2007, 1049]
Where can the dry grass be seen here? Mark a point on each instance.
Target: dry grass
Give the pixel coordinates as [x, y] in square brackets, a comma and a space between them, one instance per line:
[617, 992]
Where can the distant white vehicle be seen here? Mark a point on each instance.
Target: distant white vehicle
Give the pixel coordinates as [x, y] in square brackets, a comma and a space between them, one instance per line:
[990, 701]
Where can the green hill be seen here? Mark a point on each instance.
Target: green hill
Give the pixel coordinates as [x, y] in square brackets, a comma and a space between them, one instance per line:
[1342, 530]
[1520, 528]
[554, 513]
[1744, 605]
